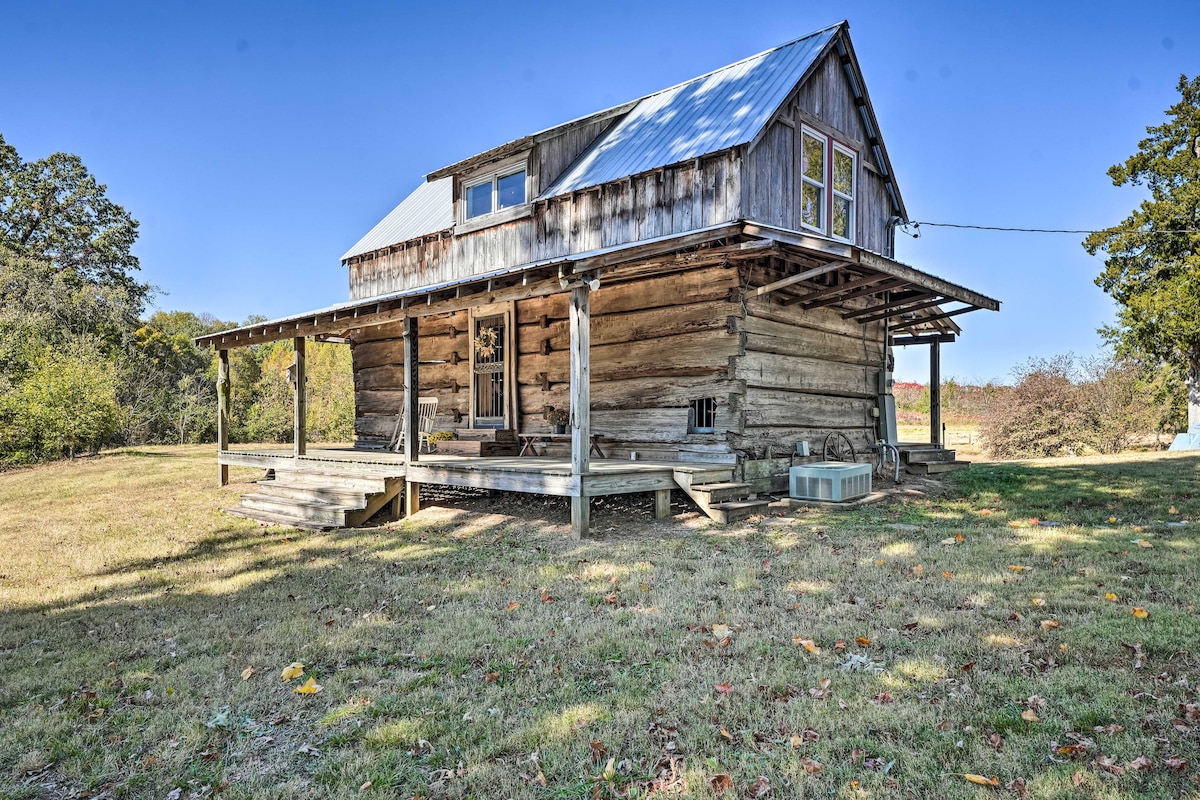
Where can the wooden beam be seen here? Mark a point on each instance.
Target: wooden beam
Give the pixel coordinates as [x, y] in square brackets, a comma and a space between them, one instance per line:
[899, 309]
[892, 303]
[848, 290]
[300, 420]
[935, 392]
[662, 503]
[580, 323]
[905, 341]
[223, 395]
[918, 278]
[798, 278]
[933, 318]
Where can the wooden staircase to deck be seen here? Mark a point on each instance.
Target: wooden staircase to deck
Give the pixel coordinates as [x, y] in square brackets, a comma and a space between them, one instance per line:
[717, 495]
[317, 498]
[929, 459]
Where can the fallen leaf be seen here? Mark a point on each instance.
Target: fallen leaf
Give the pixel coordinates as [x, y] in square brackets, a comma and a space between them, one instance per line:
[599, 751]
[1111, 597]
[967, 667]
[881, 699]
[1029, 716]
[951, 540]
[547, 597]
[1113, 728]
[982, 781]
[310, 687]
[247, 672]
[839, 645]
[996, 741]
[1141, 763]
[1050, 624]
[1017, 787]
[1172, 510]
[761, 786]
[807, 644]
[862, 641]
[918, 570]
[1108, 764]
[948, 575]
[512, 606]
[491, 677]
[644, 587]
[1143, 543]
[1111, 520]
[720, 783]
[723, 688]
[1140, 612]
[610, 599]
[720, 631]
[1176, 763]
[811, 767]
[725, 732]
[366, 785]
[1017, 568]
[292, 671]
[1038, 601]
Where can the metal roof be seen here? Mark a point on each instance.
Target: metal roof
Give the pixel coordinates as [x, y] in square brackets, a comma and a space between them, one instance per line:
[429, 209]
[714, 112]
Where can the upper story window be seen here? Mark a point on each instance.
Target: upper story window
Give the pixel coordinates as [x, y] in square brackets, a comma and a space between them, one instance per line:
[495, 192]
[828, 185]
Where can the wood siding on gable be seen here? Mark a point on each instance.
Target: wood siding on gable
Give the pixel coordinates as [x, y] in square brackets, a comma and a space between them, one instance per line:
[669, 201]
[826, 103]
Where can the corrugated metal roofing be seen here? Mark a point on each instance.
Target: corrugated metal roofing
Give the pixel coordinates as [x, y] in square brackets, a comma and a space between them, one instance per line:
[429, 209]
[714, 112]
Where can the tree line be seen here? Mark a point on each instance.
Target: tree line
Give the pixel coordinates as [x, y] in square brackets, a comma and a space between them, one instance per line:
[83, 367]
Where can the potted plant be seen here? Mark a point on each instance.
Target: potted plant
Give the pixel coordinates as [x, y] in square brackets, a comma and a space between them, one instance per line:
[558, 419]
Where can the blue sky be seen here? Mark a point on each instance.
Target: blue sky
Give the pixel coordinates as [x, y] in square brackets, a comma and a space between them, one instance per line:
[256, 142]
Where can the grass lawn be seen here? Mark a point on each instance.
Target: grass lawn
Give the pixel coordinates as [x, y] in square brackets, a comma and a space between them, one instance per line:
[882, 652]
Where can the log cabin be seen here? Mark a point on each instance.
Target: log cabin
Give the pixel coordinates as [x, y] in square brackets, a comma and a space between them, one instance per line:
[702, 279]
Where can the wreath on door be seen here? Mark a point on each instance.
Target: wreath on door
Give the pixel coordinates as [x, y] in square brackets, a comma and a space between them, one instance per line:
[485, 342]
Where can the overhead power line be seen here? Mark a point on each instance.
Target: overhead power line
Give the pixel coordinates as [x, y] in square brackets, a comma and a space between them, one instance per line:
[917, 226]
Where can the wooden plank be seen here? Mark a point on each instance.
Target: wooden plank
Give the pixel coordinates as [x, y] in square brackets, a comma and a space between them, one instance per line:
[412, 498]
[223, 399]
[581, 378]
[935, 392]
[766, 335]
[635, 325]
[300, 405]
[692, 354]
[503, 480]
[581, 517]
[603, 484]
[934, 318]
[786, 409]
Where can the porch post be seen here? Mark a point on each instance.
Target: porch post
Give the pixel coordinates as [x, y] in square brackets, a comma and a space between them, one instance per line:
[300, 431]
[935, 392]
[581, 403]
[412, 420]
[223, 410]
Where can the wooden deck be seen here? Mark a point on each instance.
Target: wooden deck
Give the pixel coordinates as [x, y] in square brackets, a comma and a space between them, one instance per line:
[534, 474]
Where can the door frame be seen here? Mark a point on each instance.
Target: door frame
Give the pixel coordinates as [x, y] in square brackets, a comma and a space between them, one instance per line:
[508, 310]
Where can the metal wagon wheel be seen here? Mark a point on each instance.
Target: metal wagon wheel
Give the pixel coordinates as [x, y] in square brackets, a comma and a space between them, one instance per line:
[838, 448]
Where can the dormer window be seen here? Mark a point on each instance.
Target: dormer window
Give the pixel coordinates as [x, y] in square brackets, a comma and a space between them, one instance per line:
[495, 192]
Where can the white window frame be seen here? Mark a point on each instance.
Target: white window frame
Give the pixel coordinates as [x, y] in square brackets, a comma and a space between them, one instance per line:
[834, 194]
[823, 187]
[494, 178]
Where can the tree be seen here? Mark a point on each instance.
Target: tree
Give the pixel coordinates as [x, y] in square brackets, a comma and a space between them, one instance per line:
[54, 209]
[1152, 264]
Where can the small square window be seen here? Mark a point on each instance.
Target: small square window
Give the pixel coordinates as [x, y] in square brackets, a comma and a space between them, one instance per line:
[702, 415]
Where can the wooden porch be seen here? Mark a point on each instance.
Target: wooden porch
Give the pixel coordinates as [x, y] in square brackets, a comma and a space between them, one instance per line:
[343, 486]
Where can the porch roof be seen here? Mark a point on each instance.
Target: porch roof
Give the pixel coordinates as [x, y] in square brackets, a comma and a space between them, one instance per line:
[823, 272]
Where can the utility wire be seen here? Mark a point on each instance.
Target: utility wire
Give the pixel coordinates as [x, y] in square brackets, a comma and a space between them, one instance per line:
[917, 226]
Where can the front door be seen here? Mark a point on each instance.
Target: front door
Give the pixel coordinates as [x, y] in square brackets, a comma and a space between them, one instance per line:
[489, 390]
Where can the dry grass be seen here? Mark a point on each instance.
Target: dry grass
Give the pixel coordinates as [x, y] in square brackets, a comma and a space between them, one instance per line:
[473, 654]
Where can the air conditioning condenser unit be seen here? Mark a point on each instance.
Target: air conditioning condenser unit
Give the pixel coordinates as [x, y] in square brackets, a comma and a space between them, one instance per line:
[831, 481]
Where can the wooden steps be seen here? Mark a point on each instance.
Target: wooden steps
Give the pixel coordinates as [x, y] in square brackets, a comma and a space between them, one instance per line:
[317, 499]
[930, 460]
[713, 490]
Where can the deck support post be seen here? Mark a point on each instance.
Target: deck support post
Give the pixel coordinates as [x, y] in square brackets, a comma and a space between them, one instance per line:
[299, 429]
[935, 393]
[223, 410]
[662, 503]
[581, 402]
[412, 420]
